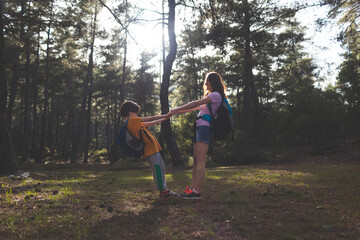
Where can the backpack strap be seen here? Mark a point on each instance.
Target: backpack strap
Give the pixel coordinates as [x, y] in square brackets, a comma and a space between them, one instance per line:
[207, 117]
[228, 105]
[210, 109]
[140, 134]
[145, 134]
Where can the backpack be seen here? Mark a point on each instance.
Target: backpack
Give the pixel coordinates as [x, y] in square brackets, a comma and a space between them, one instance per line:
[222, 123]
[130, 144]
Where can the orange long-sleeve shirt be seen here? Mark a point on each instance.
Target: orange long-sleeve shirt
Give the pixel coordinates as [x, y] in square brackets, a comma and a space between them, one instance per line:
[151, 146]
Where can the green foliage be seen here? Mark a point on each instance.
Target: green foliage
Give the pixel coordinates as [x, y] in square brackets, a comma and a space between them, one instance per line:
[183, 127]
[144, 85]
[285, 107]
[349, 13]
[238, 152]
[241, 151]
[99, 154]
[316, 118]
[349, 85]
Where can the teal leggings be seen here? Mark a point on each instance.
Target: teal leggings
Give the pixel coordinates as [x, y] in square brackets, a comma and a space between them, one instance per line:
[158, 170]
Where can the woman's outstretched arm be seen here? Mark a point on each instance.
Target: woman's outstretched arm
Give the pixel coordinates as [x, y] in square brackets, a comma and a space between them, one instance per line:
[189, 110]
[191, 105]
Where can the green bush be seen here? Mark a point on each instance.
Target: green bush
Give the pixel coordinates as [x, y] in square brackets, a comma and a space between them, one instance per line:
[184, 133]
[241, 151]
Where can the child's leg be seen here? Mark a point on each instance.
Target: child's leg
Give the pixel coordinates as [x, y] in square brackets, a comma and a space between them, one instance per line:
[158, 169]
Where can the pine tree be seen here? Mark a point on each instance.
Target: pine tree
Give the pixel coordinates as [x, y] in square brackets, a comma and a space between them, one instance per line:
[7, 155]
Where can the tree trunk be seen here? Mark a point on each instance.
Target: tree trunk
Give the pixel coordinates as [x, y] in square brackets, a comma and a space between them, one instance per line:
[13, 85]
[247, 70]
[114, 149]
[49, 137]
[176, 157]
[255, 103]
[70, 118]
[251, 100]
[96, 132]
[7, 155]
[46, 95]
[27, 112]
[35, 98]
[79, 130]
[107, 128]
[16, 69]
[57, 131]
[197, 91]
[90, 79]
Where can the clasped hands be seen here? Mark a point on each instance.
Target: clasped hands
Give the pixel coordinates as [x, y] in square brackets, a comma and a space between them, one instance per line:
[171, 112]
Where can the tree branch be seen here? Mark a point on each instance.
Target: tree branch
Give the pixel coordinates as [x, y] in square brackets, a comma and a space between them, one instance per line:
[118, 20]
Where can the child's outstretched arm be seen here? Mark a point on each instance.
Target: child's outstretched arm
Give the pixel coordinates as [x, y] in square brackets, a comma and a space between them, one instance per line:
[149, 121]
[156, 117]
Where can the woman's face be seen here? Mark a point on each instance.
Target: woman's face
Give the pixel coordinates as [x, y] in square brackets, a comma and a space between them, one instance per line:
[208, 85]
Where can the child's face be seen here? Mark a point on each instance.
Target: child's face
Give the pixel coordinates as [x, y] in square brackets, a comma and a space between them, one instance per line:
[133, 114]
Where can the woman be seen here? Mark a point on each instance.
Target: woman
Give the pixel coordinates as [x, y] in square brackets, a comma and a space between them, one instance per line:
[214, 92]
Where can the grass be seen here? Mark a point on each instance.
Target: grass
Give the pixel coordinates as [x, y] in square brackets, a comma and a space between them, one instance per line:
[286, 202]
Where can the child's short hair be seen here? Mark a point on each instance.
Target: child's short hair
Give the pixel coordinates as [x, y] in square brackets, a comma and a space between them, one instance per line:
[127, 107]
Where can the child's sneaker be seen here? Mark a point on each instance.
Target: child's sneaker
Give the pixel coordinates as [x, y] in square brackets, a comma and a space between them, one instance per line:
[190, 194]
[166, 193]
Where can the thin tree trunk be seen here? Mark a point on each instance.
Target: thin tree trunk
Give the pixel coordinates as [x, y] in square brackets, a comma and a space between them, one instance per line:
[238, 98]
[251, 100]
[80, 124]
[27, 112]
[247, 70]
[114, 149]
[7, 155]
[107, 129]
[96, 132]
[46, 94]
[197, 92]
[57, 131]
[90, 79]
[256, 108]
[16, 68]
[70, 118]
[13, 85]
[176, 157]
[50, 132]
[35, 98]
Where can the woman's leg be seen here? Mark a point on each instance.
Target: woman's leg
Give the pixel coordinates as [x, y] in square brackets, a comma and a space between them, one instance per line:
[194, 168]
[199, 170]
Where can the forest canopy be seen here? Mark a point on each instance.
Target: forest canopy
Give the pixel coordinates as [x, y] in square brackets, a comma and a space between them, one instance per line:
[64, 76]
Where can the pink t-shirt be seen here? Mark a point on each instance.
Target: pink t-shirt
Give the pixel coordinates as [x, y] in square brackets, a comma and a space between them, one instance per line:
[216, 100]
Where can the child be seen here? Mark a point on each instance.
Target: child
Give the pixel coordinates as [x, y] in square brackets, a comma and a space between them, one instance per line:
[129, 111]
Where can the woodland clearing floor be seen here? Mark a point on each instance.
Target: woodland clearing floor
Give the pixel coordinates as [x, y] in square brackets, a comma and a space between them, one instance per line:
[315, 199]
